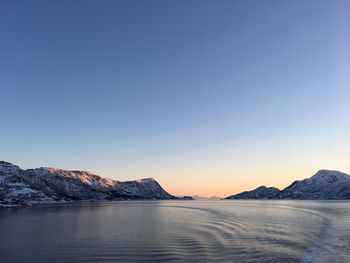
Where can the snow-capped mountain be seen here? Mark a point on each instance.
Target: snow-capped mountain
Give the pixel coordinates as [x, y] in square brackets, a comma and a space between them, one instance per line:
[51, 185]
[325, 184]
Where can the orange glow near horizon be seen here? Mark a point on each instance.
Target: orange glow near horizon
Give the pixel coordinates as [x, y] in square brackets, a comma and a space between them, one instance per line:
[277, 167]
[226, 172]
[209, 180]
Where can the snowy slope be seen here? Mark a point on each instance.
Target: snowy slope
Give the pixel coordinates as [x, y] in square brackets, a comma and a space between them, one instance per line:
[325, 185]
[50, 185]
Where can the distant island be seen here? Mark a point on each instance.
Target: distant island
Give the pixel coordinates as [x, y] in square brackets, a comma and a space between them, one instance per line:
[324, 185]
[50, 185]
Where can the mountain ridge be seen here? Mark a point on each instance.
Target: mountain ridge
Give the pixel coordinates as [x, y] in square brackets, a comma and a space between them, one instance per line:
[46, 185]
[324, 185]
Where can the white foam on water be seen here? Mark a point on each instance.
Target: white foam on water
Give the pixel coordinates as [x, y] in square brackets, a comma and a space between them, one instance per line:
[310, 254]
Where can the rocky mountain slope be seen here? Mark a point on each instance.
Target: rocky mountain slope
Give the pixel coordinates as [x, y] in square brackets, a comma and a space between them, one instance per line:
[50, 185]
[261, 192]
[324, 185]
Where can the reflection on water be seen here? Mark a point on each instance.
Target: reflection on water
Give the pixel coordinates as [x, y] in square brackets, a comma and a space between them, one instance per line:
[178, 231]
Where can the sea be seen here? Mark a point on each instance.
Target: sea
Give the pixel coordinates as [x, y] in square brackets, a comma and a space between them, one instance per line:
[178, 231]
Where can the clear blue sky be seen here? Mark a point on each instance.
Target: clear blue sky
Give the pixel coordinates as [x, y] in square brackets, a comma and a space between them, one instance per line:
[191, 93]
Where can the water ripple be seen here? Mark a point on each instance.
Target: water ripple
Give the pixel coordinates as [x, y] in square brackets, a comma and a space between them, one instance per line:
[237, 231]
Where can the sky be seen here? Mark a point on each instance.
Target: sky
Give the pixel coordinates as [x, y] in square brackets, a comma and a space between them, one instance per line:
[210, 98]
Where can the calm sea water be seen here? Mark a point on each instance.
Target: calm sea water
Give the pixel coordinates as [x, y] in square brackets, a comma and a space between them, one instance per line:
[178, 231]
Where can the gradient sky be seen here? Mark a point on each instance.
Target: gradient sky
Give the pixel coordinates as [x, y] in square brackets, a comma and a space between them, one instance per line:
[207, 97]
